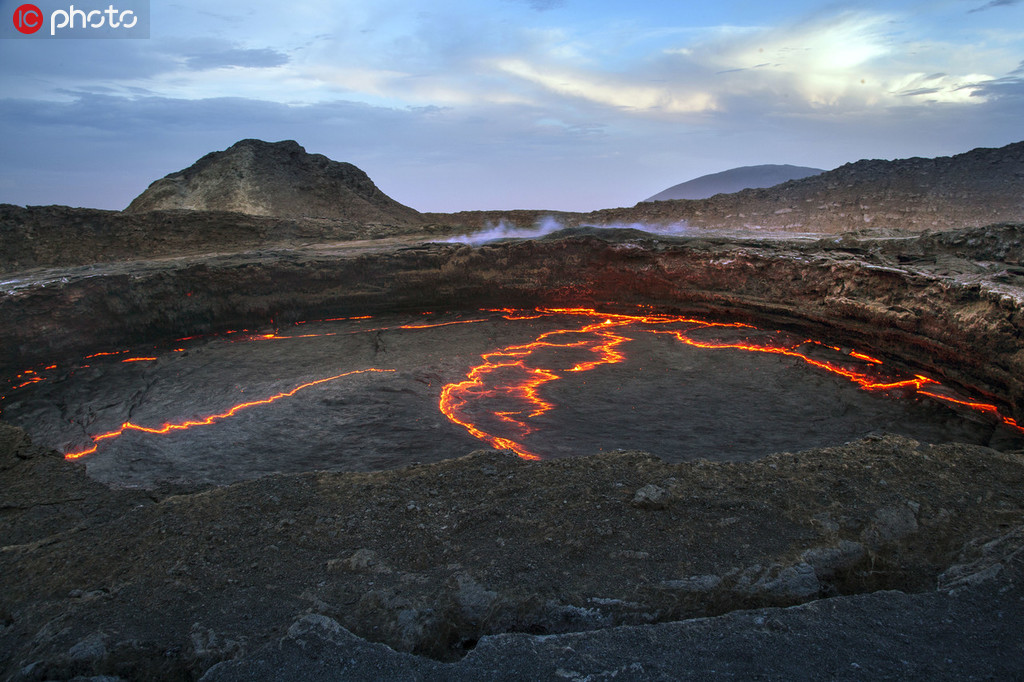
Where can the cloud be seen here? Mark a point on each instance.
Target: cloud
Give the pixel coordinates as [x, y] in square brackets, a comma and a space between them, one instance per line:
[835, 64]
[993, 4]
[608, 90]
[261, 58]
[1009, 88]
[47, 70]
[103, 150]
[451, 107]
[39, 64]
[111, 147]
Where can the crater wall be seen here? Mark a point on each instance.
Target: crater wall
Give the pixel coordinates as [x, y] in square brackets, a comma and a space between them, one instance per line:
[964, 331]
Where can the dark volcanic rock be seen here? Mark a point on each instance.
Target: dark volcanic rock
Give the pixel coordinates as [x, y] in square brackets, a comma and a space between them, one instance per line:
[881, 636]
[289, 188]
[976, 188]
[274, 179]
[46, 236]
[65, 501]
[430, 559]
[881, 558]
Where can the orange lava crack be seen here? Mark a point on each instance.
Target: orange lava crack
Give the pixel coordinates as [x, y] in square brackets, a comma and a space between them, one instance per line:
[168, 427]
[455, 397]
[274, 336]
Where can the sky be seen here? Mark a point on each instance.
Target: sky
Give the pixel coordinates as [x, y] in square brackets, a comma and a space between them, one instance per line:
[499, 104]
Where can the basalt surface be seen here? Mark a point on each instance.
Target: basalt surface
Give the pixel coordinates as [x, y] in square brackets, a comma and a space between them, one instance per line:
[885, 539]
[387, 391]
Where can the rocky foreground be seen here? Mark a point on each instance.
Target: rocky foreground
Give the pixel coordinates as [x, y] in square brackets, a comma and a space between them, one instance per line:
[907, 560]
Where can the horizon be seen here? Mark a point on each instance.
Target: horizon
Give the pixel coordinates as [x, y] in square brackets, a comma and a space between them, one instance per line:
[539, 104]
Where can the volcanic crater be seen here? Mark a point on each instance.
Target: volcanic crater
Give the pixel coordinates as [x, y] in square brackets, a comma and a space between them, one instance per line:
[830, 424]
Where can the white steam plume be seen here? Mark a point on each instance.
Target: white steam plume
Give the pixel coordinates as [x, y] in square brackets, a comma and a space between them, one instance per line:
[547, 225]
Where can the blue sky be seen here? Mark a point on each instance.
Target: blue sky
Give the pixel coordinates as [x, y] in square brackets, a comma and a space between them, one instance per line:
[499, 104]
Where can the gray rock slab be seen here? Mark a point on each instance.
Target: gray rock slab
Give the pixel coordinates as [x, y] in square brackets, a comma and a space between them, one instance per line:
[972, 634]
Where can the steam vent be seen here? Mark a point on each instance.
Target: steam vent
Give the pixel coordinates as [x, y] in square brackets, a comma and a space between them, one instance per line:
[269, 423]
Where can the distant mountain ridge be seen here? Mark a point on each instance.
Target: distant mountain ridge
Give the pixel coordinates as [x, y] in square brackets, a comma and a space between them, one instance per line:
[276, 179]
[980, 187]
[735, 180]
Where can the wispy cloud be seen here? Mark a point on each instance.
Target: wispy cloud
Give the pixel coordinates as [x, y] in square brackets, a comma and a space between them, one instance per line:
[621, 93]
[235, 57]
[837, 62]
[993, 4]
[842, 63]
[849, 62]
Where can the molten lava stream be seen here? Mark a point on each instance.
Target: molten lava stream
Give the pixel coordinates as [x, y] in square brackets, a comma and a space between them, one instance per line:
[500, 397]
[490, 382]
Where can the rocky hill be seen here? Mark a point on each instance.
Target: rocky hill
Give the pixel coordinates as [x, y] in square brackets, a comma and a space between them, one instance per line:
[977, 188]
[278, 179]
[735, 180]
[259, 194]
[254, 194]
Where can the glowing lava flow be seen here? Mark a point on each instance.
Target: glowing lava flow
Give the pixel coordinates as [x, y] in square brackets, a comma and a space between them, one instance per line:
[501, 400]
[211, 419]
[504, 390]
[602, 342]
[30, 376]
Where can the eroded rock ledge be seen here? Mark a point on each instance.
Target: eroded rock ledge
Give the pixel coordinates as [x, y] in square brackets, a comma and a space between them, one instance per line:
[428, 559]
